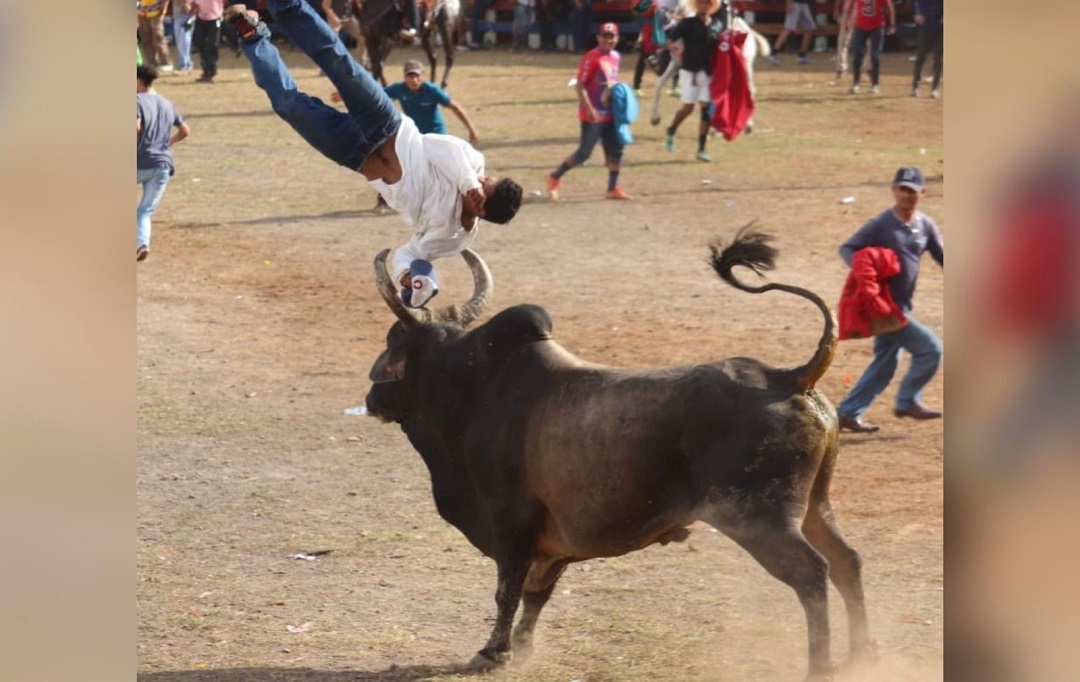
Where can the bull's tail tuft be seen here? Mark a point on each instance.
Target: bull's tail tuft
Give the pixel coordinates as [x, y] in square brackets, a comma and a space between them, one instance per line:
[751, 249]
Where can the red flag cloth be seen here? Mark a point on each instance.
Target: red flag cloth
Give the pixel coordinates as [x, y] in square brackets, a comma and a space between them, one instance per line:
[733, 104]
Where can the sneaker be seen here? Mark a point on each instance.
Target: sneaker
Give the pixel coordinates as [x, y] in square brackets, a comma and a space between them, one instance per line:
[915, 91]
[617, 193]
[407, 34]
[669, 143]
[552, 187]
[142, 252]
[935, 93]
[638, 92]
[245, 21]
[802, 60]
[875, 89]
[204, 79]
[773, 60]
[674, 91]
[424, 287]
[165, 68]
[702, 156]
[855, 89]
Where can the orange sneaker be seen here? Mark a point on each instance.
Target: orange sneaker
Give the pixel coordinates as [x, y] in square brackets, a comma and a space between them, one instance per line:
[552, 187]
[617, 193]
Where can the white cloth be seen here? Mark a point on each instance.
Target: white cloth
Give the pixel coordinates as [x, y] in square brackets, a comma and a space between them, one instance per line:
[436, 171]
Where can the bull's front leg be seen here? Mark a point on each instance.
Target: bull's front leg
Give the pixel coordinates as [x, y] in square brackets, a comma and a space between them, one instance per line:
[513, 559]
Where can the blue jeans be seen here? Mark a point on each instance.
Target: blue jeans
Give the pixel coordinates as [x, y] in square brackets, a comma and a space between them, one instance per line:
[153, 181]
[858, 51]
[925, 350]
[345, 138]
[607, 135]
[182, 38]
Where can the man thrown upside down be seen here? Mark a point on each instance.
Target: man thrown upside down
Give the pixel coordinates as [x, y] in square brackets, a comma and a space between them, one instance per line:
[436, 182]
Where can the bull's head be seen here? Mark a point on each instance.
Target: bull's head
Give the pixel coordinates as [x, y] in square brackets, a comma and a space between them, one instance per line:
[417, 333]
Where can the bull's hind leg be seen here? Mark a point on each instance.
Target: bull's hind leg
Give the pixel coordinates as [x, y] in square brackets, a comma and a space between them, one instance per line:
[845, 571]
[779, 546]
[539, 585]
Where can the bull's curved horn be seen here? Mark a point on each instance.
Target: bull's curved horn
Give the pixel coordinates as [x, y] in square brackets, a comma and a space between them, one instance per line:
[483, 288]
[389, 291]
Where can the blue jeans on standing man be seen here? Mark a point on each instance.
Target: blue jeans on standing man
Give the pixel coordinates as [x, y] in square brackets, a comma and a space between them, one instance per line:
[153, 180]
[345, 138]
[182, 36]
[925, 350]
[858, 51]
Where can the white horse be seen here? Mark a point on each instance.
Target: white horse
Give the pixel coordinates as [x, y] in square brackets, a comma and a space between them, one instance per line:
[751, 49]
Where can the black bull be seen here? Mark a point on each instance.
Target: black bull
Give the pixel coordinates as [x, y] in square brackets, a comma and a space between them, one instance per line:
[541, 459]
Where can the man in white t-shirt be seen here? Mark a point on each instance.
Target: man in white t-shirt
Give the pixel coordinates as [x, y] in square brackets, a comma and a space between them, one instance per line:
[435, 182]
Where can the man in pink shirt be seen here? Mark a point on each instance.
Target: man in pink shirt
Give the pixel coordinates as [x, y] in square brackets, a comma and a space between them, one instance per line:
[597, 73]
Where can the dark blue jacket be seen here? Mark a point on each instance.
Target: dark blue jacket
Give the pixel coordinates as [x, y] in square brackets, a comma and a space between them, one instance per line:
[933, 10]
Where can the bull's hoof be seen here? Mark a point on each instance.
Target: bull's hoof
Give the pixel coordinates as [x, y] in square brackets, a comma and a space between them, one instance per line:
[864, 657]
[485, 661]
[827, 674]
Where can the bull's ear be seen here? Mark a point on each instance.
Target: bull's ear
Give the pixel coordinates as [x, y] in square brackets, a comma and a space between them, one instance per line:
[387, 369]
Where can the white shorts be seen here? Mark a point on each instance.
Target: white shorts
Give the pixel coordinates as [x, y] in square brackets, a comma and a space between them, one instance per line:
[693, 86]
[800, 18]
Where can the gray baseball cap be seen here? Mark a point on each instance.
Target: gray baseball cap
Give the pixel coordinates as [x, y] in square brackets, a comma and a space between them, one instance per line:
[909, 176]
[413, 66]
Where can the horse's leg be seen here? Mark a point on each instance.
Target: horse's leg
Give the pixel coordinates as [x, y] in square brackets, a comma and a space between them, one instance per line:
[672, 69]
[445, 25]
[375, 56]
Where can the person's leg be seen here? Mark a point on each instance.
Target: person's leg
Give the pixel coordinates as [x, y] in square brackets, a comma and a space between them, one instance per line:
[939, 58]
[213, 43]
[922, 50]
[182, 36]
[590, 135]
[858, 51]
[613, 154]
[153, 181]
[778, 46]
[877, 42]
[333, 133]
[198, 41]
[874, 380]
[703, 126]
[925, 349]
[161, 45]
[639, 68]
[375, 118]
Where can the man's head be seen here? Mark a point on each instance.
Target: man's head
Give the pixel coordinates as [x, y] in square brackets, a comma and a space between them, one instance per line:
[608, 36]
[503, 199]
[145, 75]
[414, 74]
[908, 187]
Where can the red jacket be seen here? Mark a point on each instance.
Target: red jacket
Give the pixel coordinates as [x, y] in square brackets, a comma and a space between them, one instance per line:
[866, 294]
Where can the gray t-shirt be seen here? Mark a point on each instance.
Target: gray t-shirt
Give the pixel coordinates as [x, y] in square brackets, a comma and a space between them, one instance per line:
[158, 116]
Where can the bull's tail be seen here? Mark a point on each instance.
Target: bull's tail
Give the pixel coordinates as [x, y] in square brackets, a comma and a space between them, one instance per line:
[751, 249]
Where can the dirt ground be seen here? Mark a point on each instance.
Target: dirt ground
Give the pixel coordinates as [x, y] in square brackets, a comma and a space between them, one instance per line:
[258, 320]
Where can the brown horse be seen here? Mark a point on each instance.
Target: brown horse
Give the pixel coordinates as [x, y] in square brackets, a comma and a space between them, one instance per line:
[381, 22]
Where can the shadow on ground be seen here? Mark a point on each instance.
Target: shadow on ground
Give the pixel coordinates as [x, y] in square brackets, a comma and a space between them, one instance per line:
[413, 673]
